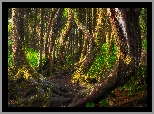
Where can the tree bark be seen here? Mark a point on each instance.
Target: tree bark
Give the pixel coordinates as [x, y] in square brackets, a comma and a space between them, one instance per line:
[128, 41]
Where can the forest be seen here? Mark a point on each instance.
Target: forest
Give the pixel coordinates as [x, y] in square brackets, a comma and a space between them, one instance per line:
[77, 57]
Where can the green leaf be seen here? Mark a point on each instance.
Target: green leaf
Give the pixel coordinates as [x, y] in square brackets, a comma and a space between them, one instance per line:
[105, 102]
[92, 104]
[88, 105]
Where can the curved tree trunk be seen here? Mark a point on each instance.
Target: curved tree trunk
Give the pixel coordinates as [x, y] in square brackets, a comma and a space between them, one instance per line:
[95, 42]
[129, 47]
[125, 24]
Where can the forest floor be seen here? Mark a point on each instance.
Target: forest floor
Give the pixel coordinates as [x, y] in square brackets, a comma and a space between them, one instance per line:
[123, 99]
[65, 80]
[120, 98]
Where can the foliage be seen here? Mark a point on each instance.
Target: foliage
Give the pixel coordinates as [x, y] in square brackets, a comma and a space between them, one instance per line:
[143, 20]
[9, 27]
[136, 83]
[9, 54]
[143, 25]
[32, 57]
[9, 42]
[105, 102]
[69, 59]
[103, 62]
[144, 44]
[65, 13]
[90, 104]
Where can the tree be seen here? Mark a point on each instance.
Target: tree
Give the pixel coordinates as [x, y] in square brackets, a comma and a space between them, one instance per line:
[18, 36]
[41, 40]
[125, 24]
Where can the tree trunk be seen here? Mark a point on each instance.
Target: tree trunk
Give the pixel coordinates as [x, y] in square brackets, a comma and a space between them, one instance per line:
[18, 36]
[41, 41]
[128, 41]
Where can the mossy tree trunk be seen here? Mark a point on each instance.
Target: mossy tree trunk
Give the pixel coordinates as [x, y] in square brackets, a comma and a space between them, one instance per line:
[18, 37]
[129, 53]
[125, 24]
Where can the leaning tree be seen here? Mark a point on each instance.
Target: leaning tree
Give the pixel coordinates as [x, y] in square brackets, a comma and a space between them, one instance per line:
[35, 90]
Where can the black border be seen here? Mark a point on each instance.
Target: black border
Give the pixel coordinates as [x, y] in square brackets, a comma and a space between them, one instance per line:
[6, 5]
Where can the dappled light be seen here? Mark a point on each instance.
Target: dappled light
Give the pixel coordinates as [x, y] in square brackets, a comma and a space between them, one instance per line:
[77, 57]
